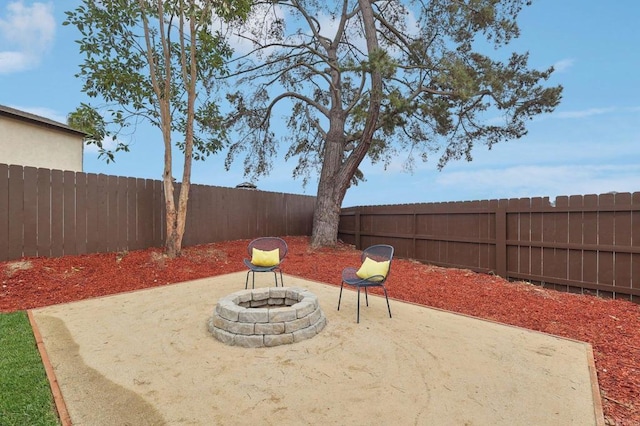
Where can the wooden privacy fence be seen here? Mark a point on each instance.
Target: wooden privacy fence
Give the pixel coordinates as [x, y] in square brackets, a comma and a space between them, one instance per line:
[587, 243]
[54, 213]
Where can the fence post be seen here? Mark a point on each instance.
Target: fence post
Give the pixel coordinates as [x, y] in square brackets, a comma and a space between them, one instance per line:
[501, 242]
[415, 235]
[357, 230]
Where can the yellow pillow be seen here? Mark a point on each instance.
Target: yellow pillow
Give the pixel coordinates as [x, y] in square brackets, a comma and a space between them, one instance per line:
[265, 258]
[370, 268]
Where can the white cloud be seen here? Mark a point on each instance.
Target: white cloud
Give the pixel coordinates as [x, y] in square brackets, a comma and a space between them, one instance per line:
[563, 65]
[584, 113]
[13, 62]
[533, 181]
[42, 112]
[26, 33]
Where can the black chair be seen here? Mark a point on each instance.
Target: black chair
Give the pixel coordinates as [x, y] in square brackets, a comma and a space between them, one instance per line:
[265, 247]
[366, 279]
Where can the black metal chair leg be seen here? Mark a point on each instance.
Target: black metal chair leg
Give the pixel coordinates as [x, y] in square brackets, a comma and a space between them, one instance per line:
[366, 296]
[358, 315]
[246, 282]
[386, 297]
[340, 297]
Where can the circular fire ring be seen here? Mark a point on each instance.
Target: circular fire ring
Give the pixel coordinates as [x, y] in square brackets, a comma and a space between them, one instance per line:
[269, 316]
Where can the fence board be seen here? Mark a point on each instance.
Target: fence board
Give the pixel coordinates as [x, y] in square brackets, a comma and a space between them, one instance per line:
[590, 238]
[57, 213]
[622, 237]
[103, 214]
[158, 211]
[92, 213]
[132, 215]
[536, 252]
[44, 212]
[561, 254]
[515, 223]
[574, 271]
[81, 213]
[4, 211]
[112, 213]
[30, 202]
[123, 226]
[634, 284]
[606, 220]
[69, 215]
[16, 211]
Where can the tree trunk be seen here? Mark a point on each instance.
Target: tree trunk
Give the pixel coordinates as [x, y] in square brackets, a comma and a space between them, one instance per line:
[173, 242]
[337, 172]
[326, 216]
[331, 187]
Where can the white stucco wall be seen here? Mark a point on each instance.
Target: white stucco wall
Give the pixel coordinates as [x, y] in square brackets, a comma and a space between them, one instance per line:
[29, 144]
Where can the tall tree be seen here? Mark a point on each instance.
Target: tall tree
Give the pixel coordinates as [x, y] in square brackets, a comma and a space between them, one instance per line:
[361, 78]
[155, 60]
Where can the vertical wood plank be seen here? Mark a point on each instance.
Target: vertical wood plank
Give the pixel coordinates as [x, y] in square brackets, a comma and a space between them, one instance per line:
[57, 213]
[536, 253]
[606, 220]
[30, 203]
[44, 212]
[69, 215]
[590, 237]
[81, 213]
[561, 254]
[501, 241]
[132, 214]
[492, 206]
[358, 227]
[145, 214]
[576, 220]
[622, 237]
[123, 217]
[112, 214]
[635, 241]
[92, 213]
[158, 212]
[103, 214]
[4, 212]
[525, 236]
[16, 212]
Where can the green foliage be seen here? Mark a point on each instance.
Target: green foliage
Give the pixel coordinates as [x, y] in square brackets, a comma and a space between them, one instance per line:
[441, 83]
[25, 395]
[88, 120]
[132, 68]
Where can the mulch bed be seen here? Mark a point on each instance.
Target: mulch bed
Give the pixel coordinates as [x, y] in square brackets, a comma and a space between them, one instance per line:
[611, 326]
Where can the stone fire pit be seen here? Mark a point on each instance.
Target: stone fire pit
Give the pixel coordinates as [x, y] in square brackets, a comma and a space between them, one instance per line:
[268, 316]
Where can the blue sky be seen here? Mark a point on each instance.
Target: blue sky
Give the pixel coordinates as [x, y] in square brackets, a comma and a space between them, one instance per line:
[589, 145]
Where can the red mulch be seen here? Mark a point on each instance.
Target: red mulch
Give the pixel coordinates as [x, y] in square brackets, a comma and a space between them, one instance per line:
[611, 326]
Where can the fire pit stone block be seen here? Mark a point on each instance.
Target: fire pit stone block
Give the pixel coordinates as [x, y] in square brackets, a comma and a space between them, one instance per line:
[268, 317]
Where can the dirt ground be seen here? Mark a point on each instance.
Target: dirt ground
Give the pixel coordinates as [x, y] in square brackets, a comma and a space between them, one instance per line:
[146, 357]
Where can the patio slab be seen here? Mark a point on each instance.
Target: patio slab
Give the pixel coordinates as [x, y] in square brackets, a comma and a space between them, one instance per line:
[147, 357]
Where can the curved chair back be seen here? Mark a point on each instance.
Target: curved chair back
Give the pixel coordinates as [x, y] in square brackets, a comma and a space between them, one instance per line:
[379, 253]
[268, 244]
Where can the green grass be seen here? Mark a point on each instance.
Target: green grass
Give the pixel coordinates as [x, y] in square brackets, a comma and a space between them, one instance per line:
[25, 395]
